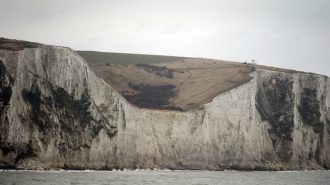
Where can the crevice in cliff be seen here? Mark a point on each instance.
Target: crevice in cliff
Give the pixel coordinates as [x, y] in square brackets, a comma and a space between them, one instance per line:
[203, 116]
[160, 148]
[21, 150]
[319, 147]
[6, 147]
[6, 83]
[123, 117]
[328, 125]
[24, 151]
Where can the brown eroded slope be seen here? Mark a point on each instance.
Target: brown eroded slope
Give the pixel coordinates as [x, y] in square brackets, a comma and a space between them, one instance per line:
[177, 85]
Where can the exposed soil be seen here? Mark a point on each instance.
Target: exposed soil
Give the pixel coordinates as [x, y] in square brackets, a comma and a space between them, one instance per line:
[191, 82]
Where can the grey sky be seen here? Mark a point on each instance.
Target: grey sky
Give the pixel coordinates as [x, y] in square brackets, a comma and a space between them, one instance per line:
[283, 33]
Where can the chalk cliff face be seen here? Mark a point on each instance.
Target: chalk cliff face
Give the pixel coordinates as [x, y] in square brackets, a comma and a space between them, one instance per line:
[56, 113]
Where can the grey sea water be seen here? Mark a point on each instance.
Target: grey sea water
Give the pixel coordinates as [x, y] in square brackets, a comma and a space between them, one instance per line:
[163, 177]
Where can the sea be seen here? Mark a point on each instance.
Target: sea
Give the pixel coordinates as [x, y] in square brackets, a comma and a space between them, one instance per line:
[159, 177]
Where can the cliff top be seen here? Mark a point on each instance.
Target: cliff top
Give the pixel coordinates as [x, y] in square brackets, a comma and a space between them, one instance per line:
[16, 45]
[168, 82]
[162, 82]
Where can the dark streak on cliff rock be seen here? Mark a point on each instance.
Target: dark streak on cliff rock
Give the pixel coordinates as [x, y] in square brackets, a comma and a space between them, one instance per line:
[328, 123]
[309, 109]
[124, 117]
[59, 115]
[68, 110]
[6, 83]
[275, 103]
[23, 150]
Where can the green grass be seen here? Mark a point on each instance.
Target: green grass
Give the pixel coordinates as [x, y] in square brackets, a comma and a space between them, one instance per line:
[95, 57]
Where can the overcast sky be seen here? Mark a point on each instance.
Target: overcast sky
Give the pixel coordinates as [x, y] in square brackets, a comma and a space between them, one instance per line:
[291, 34]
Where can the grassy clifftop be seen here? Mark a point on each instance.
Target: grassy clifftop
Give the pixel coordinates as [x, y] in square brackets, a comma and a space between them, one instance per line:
[95, 57]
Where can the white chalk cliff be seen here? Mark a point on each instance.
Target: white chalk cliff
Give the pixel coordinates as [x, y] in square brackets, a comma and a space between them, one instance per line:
[56, 113]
